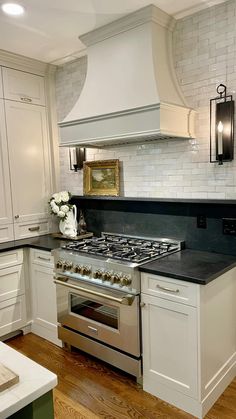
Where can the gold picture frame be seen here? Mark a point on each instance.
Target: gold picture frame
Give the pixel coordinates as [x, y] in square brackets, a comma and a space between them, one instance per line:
[102, 177]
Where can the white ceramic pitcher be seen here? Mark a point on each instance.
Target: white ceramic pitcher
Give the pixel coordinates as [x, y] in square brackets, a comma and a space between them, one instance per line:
[68, 227]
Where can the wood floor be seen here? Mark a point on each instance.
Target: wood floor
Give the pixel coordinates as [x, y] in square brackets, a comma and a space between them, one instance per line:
[90, 389]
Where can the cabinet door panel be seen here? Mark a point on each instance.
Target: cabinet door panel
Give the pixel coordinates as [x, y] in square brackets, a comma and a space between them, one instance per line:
[29, 160]
[5, 191]
[23, 87]
[43, 302]
[11, 282]
[169, 345]
[12, 315]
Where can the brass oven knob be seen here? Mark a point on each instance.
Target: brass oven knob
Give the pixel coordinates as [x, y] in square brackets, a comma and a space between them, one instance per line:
[67, 266]
[59, 264]
[77, 269]
[104, 276]
[115, 279]
[88, 270]
[83, 270]
[126, 280]
[99, 273]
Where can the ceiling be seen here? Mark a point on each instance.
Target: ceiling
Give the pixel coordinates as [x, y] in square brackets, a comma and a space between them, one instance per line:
[49, 29]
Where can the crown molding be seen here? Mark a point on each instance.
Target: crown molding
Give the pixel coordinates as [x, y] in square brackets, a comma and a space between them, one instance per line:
[147, 14]
[20, 62]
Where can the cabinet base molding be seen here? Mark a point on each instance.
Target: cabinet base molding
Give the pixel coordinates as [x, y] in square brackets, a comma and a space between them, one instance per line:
[188, 404]
[27, 328]
[225, 376]
[47, 331]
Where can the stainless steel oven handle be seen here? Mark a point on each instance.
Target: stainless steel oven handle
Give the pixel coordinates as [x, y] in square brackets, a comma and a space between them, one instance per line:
[126, 300]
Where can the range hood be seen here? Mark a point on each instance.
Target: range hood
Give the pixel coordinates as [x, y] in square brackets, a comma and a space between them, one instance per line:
[131, 93]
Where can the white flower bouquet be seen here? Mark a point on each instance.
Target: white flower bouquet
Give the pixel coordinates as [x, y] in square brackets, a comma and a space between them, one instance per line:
[59, 204]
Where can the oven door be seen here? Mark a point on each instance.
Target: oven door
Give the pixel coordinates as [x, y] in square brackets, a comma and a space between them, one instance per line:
[108, 316]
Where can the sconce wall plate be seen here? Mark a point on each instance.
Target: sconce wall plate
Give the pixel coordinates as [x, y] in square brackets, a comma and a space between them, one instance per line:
[77, 156]
[221, 127]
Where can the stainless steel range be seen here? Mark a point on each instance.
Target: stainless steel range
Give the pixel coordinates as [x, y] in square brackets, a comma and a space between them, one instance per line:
[98, 290]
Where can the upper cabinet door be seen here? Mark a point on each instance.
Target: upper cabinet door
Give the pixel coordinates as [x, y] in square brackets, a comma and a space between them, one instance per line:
[5, 190]
[23, 87]
[1, 86]
[29, 160]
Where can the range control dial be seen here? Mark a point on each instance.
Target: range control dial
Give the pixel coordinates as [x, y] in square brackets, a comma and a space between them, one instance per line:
[98, 273]
[59, 264]
[126, 280]
[106, 276]
[67, 266]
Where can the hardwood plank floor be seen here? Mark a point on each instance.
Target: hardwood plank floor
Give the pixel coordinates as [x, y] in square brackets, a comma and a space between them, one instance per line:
[90, 389]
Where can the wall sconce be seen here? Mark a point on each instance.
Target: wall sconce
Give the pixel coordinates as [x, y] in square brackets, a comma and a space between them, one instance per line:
[221, 127]
[77, 157]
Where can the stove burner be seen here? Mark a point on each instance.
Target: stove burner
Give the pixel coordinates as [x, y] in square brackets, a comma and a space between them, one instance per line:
[131, 249]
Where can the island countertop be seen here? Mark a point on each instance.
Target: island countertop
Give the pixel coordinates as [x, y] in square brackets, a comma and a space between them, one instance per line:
[34, 381]
[191, 265]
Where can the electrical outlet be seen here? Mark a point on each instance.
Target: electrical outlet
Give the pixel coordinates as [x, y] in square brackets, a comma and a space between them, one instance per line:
[229, 226]
[201, 221]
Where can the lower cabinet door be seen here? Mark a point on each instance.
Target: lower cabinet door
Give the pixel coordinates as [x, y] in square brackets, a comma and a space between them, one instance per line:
[11, 282]
[169, 332]
[12, 315]
[44, 311]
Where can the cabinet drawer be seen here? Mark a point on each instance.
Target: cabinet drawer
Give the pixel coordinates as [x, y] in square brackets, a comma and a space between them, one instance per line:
[13, 257]
[170, 289]
[23, 87]
[31, 229]
[42, 258]
[6, 233]
[11, 282]
[12, 315]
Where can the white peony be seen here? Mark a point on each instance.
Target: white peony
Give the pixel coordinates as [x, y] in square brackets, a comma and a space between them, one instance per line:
[55, 208]
[58, 199]
[65, 208]
[61, 214]
[64, 196]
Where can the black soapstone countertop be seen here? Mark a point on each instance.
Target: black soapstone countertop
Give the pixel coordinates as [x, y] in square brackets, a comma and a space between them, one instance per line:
[191, 265]
[46, 242]
[187, 265]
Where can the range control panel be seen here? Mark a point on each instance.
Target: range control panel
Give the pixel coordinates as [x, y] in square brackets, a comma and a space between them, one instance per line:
[88, 272]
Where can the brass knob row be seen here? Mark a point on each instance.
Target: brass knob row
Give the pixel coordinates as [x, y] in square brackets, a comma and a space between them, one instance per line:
[112, 277]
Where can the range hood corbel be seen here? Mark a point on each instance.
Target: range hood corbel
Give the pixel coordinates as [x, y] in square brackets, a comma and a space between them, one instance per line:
[131, 93]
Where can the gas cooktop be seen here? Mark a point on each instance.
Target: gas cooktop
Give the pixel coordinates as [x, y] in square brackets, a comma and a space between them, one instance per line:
[125, 248]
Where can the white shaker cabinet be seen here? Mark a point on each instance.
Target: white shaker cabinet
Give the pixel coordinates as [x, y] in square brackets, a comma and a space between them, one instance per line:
[23, 87]
[43, 296]
[169, 345]
[25, 155]
[6, 227]
[189, 340]
[29, 167]
[12, 292]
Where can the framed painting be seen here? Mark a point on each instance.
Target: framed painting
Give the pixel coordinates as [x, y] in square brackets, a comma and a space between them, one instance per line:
[102, 177]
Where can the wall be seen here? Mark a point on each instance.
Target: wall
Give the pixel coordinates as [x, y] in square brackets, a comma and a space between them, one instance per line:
[204, 56]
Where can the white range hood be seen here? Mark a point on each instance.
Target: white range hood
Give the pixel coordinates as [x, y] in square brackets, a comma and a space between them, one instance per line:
[131, 93]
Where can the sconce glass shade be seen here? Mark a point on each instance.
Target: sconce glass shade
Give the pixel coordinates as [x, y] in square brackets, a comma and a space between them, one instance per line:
[76, 158]
[221, 127]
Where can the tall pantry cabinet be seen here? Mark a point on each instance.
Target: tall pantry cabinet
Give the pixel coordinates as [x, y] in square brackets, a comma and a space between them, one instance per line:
[26, 155]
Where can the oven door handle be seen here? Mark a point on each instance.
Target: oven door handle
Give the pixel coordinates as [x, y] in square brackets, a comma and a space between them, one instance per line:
[126, 300]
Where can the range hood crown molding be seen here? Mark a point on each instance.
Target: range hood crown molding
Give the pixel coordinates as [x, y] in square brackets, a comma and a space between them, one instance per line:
[149, 13]
[131, 93]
